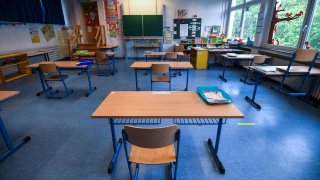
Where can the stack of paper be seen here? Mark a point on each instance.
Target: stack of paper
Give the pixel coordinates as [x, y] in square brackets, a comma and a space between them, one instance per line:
[232, 54]
[216, 97]
[266, 68]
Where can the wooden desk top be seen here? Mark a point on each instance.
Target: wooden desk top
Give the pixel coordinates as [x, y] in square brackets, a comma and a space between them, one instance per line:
[4, 95]
[173, 65]
[224, 50]
[293, 69]
[161, 54]
[147, 104]
[36, 53]
[61, 64]
[241, 56]
[146, 46]
[108, 47]
[93, 54]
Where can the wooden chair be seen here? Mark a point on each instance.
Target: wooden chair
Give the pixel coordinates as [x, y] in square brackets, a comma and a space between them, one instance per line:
[258, 60]
[158, 74]
[53, 73]
[152, 146]
[180, 48]
[173, 56]
[102, 59]
[303, 56]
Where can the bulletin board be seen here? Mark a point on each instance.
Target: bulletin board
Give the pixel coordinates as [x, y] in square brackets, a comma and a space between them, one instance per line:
[188, 28]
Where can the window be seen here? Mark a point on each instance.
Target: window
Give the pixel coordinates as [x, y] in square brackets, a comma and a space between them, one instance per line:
[287, 22]
[314, 35]
[243, 19]
[236, 2]
[250, 21]
[235, 23]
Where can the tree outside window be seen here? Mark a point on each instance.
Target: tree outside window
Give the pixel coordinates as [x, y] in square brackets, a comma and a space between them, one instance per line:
[314, 35]
[250, 21]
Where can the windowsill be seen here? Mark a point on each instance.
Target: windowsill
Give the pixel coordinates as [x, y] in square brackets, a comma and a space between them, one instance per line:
[281, 54]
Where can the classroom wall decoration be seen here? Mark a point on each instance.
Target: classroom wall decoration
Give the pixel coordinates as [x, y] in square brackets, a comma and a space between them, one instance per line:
[187, 28]
[48, 32]
[181, 13]
[91, 14]
[34, 34]
[112, 17]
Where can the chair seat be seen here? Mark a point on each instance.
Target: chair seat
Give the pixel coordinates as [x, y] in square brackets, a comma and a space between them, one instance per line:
[57, 78]
[152, 156]
[160, 78]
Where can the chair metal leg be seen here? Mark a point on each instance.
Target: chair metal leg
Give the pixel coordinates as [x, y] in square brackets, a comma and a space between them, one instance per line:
[252, 100]
[136, 174]
[223, 71]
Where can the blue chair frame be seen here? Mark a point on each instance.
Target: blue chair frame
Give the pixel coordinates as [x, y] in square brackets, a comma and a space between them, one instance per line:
[173, 166]
[305, 75]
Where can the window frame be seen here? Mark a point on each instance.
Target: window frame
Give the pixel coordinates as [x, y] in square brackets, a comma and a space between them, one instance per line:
[241, 7]
[304, 33]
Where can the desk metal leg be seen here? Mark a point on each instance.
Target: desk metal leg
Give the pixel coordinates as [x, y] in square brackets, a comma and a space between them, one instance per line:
[214, 150]
[187, 83]
[251, 101]
[136, 75]
[91, 89]
[10, 146]
[44, 89]
[223, 71]
[116, 146]
[46, 56]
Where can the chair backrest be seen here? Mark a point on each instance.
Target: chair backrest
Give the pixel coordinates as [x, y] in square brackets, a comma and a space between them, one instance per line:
[151, 137]
[48, 67]
[259, 59]
[305, 55]
[160, 68]
[171, 55]
[179, 48]
[101, 56]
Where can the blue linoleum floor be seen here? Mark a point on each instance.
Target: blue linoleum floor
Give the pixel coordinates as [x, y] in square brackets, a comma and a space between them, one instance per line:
[67, 144]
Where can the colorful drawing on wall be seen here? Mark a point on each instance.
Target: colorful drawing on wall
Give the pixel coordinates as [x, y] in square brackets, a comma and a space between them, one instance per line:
[48, 32]
[113, 27]
[181, 13]
[34, 34]
[111, 8]
[91, 14]
[216, 29]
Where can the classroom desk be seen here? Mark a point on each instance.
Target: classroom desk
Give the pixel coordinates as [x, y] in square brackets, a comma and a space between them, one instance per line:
[173, 65]
[39, 53]
[4, 95]
[298, 70]
[65, 65]
[136, 47]
[161, 54]
[108, 47]
[145, 107]
[239, 57]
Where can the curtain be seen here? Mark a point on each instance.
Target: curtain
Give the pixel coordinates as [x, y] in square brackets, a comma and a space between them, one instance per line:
[29, 11]
[53, 13]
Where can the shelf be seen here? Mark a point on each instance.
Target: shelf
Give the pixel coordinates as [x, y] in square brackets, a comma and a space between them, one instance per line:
[14, 77]
[13, 64]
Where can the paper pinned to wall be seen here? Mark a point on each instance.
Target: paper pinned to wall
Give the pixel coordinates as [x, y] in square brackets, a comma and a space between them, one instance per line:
[183, 30]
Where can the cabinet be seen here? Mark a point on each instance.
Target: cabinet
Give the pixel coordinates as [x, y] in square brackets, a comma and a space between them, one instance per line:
[199, 58]
[20, 60]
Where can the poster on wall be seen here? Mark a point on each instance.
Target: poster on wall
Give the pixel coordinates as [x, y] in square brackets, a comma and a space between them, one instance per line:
[181, 13]
[91, 14]
[48, 32]
[34, 34]
[112, 17]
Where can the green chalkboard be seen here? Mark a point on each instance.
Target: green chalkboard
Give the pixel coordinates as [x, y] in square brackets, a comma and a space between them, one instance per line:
[142, 25]
[132, 25]
[153, 25]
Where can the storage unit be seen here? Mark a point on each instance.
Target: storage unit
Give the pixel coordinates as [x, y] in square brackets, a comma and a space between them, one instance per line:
[199, 58]
[20, 60]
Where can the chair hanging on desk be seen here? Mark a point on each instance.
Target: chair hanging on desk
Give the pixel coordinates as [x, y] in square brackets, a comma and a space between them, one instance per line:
[180, 48]
[51, 72]
[152, 146]
[306, 57]
[158, 74]
[258, 60]
[102, 59]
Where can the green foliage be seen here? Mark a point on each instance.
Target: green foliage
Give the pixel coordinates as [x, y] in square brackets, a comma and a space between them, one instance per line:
[288, 32]
[314, 37]
[250, 21]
